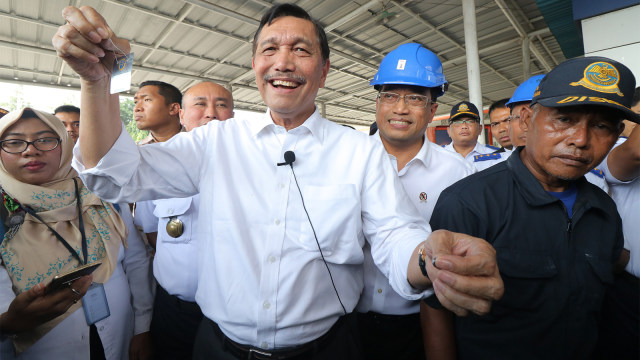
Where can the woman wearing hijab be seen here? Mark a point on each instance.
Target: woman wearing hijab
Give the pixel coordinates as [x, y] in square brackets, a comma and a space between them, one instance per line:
[53, 224]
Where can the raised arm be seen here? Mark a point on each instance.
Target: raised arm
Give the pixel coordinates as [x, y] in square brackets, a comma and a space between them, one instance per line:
[89, 47]
[624, 161]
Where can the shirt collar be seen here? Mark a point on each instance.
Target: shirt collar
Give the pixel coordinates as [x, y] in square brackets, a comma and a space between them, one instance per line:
[534, 193]
[422, 155]
[314, 124]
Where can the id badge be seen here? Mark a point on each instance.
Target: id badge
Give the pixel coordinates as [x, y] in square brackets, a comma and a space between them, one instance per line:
[95, 304]
[121, 74]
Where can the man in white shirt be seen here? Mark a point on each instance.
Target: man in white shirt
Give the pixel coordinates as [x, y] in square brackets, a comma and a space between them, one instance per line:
[176, 315]
[464, 129]
[272, 281]
[389, 324]
[620, 328]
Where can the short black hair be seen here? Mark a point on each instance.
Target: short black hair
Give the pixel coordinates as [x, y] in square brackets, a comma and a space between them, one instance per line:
[170, 93]
[498, 105]
[67, 109]
[281, 10]
[636, 97]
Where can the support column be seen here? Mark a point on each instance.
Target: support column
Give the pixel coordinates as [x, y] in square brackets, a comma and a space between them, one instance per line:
[323, 110]
[526, 58]
[473, 58]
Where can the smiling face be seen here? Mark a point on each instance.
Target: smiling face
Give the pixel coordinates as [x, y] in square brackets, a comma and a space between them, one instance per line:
[289, 69]
[500, 126]
[205, 102]
[401, 125]
[32, 166]
[565, 143]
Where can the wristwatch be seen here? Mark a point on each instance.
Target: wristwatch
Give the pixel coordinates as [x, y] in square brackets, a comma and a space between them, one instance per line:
[422, 263]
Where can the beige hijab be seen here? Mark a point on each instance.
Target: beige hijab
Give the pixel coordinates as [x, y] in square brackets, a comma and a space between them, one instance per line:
[30, 252]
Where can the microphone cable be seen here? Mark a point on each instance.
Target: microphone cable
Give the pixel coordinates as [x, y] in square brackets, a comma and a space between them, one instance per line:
[289, 159]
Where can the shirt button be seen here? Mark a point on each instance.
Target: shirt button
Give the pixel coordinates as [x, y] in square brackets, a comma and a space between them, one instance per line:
[266, 305]
[170, 211]
[379, 291]
[277, 221]
[281, 186]
[272, 259]
[101, 328]
[264, 345]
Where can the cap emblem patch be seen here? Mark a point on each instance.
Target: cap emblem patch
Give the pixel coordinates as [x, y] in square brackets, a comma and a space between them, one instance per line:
[602, 77]
[463, 107]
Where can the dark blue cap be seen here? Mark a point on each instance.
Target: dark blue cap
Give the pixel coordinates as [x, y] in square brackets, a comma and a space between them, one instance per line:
[589, 81]
[464, 108]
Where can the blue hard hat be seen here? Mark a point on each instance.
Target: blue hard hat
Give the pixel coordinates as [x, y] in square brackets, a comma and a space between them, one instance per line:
[524, 92]
[411, 64]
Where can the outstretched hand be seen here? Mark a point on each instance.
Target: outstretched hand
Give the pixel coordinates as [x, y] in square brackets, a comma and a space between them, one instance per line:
[466, 276]
[37, 306]
[87, 43]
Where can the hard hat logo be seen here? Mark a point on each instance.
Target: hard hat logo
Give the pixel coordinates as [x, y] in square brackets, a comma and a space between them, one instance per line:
[602, 77]
[401, 64]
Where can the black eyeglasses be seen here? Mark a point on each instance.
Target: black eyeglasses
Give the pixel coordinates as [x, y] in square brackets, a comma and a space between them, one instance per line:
[413, 100]
[16, 146]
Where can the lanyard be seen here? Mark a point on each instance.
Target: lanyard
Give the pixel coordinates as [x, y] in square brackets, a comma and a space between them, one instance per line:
[58, 236]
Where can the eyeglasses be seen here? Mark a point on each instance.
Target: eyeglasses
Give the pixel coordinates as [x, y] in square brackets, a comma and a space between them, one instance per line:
[412, 100]
[463, 121]
[16, 146]
[512, 117]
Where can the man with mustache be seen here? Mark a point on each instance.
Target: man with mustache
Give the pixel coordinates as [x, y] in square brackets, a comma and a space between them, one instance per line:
[464, 129]
[287, 201]
[499, 122]
[557, 236]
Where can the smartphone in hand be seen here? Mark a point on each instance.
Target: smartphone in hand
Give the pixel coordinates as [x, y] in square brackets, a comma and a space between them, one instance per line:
[63, 280]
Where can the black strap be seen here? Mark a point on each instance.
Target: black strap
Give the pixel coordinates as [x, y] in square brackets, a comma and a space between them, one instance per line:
[58, 236]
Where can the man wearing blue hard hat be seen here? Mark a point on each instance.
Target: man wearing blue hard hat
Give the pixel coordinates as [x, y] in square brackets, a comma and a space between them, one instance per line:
[409, 82]
[522, 99]
[557, 236]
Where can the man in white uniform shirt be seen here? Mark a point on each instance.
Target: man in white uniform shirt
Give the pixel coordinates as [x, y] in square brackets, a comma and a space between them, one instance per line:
[264, 285]
[389, 324]
[620, 329]
[464, 129]
[176, 315]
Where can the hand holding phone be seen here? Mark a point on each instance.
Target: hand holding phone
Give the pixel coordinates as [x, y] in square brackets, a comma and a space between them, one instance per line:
[63, 280]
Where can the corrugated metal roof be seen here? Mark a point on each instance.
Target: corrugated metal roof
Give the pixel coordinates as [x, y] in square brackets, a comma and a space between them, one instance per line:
[185, 41]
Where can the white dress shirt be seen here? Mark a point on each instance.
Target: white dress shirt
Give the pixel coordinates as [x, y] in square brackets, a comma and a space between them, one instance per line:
[627, 198]
[479, 149]
[173, 253]
[260, 274]
[130, 298]
[432, 170]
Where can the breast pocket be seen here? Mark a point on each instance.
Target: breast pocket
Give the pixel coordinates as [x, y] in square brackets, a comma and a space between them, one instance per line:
[175, 220]
[335, 212]
[527, 280]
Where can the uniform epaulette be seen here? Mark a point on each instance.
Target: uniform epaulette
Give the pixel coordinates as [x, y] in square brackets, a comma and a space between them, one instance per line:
[492, 147]
[597, 172]
[484, 157]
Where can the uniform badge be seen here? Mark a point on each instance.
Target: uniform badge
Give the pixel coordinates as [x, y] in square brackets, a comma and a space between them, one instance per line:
[423, 197]
[463, 107]
[175, 227]
[602, 77]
